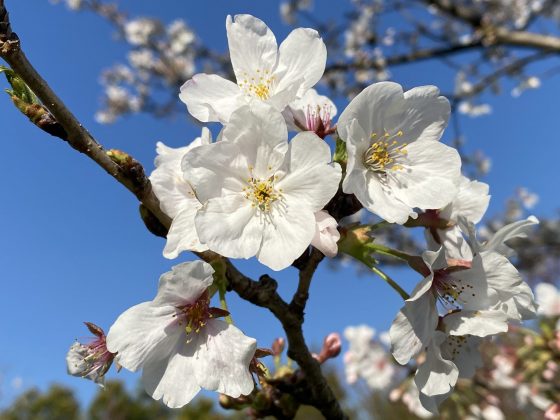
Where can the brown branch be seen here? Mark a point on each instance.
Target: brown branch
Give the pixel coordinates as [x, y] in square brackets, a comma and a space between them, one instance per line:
[316, 391]
[131, 174]
[457, 11]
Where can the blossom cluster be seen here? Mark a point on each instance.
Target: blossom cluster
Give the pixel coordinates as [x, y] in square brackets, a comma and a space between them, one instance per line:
[254, 192]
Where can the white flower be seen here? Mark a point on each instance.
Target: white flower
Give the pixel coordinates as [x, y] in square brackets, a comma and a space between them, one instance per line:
[479, 300]
[395, 159]
[470, 203]
[177, 197]
[367, 359]
[139, 31]
[260, 195]
[326, 234]
[90, 361]
[263, 71]
[178, 342]
[548, 298]
[312, 112]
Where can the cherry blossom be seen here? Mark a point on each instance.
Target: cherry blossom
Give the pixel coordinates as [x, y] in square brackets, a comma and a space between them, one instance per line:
[264, 72]
[260, 193]
[395, 160]
[178, 342]
[177, 197]
[91, 360]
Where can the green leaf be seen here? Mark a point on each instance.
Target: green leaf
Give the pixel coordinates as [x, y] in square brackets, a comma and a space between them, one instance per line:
[19, 87]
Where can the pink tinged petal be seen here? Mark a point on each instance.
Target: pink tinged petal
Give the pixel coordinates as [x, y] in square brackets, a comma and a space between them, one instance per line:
[436, 376]
[172, 379]
[184, 284]
[229, 226]
[140, 332]
[413, 328]
[514, 230]
[210, 97]
[182, 234]
[311, 179]
[222, 359]
[286, 235]
[430, 175]
[479, 323]
[303, 54]
[326, 234]
[252, 46]
[261, 136]
[371, 107]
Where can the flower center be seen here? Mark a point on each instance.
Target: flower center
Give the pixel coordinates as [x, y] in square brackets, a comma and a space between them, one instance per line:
[384, 154]
[195, 315]
[451, 292]
[262, 192]
[258, 85]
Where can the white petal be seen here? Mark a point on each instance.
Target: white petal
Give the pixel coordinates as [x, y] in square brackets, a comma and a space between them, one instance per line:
[286, 236]
[514, 230]
[383, 201]
[466, 357]
[168, 184]
[413, 327]
[326, 234]
[252, 46]
[471, 201]
[371, 107]
[501, 275]
[222, 359]
[548, 298]
[210, 97]
[426, 114]
[184, 283]
[172, 379]
[478, 323]
[214, 167]
[311, 180]
[140, 333]
[430, 176]
[303, 54]
[261, 135]
[436, 376]
[229, 226]
[182, 234]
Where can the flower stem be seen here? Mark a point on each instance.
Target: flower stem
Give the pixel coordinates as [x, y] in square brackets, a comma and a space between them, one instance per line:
[391, 282]
[414, 261]
[223, 304]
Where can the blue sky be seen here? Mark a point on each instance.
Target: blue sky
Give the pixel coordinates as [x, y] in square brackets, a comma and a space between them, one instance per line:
[72, 247]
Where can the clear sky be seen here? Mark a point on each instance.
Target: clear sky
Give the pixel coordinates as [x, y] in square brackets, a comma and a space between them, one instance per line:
[72, 247]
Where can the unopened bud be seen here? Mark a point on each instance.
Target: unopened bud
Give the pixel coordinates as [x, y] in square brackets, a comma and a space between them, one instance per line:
[278, 346]
[553, 412]
[331, 348]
